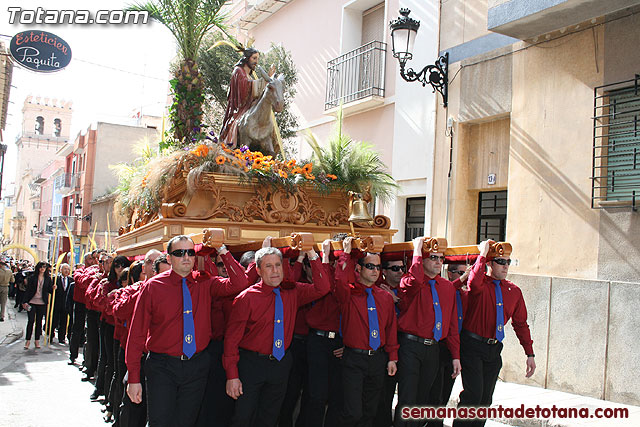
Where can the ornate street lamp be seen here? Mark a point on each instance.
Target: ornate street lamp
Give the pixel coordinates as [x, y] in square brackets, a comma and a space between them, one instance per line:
[78, 210]
[34, 230]
[49, 223]
[403, 37]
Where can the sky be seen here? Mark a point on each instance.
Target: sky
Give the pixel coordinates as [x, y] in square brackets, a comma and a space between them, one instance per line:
[114, 70]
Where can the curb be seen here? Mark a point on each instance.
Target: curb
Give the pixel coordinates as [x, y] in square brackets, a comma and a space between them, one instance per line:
[16, 331]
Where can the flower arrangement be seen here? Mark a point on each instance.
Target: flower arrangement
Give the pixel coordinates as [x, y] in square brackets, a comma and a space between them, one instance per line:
[342, 165]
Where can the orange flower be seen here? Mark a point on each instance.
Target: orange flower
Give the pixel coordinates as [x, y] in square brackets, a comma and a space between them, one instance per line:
[307, 168]
[291, 163]
[309, 176]
[283, 174]
[201, 150]
[220, 160]
[331, 176]
[296, 170]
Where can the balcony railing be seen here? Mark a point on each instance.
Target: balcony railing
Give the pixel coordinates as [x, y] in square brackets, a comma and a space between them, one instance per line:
[356, 75]
[36, 205]
[66, 183]
[59, 224]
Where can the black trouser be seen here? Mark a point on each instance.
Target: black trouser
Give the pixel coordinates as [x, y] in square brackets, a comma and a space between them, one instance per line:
[217, 406]
[59, 322]
[363, 380]
[134, 414]
[481, 364]
[34, 316]
[384, 416]
[264, 384]
[79, 313]
[92, 349]
[116, 385]
[325, 381]
[296, 386]
[106, 335]
[102, 383]
[417, 369]
[175, 388]
[443, 384]
[19, 295]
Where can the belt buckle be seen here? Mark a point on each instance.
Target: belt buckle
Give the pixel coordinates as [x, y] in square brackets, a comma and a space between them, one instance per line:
[371, 352]
[427, 341]
[331, 335]
[492, 341]
[183, 357]
[272, 357]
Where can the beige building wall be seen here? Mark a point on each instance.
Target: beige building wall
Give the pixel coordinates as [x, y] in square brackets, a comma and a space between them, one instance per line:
[524, 112]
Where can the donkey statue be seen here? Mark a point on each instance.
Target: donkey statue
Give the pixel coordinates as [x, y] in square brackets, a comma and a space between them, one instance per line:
[255, 127]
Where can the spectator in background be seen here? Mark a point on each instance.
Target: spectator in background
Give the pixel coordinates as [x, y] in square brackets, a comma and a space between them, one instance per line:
[6, 277]
[35, 298]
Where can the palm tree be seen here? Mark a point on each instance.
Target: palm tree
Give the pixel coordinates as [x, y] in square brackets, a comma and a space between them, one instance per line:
[188, 21]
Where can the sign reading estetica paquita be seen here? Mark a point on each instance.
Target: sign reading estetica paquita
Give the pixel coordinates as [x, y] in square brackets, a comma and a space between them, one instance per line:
[40, 51]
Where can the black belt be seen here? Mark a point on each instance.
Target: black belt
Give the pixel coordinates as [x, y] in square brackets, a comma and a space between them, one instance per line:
[300, 336]
[327, 334]
[425, 341]
[263, 356]
[477, 337]
[181, 357]
[365, 352]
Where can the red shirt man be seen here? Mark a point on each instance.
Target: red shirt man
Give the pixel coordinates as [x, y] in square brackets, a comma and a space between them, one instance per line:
[169, 306]
[256, 374]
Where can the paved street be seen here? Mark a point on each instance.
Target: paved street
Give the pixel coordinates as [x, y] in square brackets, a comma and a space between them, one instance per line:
[37, 387]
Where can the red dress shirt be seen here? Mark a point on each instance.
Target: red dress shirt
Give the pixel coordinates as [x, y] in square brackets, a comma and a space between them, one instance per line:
[324, 313]
[82, 280]
[480, 317]
[101, 301]
[90, 293]
[157, 319]
[123, 306]
[417, 315]
[251, 324]
[353, 306]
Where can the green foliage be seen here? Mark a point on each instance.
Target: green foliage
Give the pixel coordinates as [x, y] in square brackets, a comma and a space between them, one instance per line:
[356, 165]
[216, 67]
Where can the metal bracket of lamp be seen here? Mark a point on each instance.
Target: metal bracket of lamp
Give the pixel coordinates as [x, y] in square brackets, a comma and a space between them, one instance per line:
[403, 36]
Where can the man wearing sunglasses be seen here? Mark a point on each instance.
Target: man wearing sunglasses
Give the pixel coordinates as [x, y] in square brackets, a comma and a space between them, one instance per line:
[493, 300]
[259, 332]
[369, 333]
[428, 315]
[392, 271]
[172, 320]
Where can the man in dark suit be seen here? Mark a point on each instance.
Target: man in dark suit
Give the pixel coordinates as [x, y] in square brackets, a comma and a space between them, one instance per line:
[60, 310]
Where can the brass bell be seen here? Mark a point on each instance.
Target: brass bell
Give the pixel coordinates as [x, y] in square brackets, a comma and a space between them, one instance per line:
[358, 211]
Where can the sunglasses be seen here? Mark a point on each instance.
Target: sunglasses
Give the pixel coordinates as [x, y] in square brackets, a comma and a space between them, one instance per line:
[370, 266]
[182, 252]
[459, 272]
[436, 257]
[395, 268]
[502, 261]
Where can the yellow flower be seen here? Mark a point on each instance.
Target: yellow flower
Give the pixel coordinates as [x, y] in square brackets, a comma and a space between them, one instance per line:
[220, 160]
[307, 168]
[283, 174]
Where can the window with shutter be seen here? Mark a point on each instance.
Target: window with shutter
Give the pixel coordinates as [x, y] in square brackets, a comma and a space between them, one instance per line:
[616, 148]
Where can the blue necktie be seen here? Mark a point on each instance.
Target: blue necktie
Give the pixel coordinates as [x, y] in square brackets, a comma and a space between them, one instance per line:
[437, 327]
[459, 305]
[395, 292]
[499, 312]
[374, 330]
[188, 328]
[278, 327]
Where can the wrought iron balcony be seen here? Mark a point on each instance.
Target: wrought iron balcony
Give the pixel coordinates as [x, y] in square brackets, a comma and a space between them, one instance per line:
[356, 75]
[58, 223]
[66, 184]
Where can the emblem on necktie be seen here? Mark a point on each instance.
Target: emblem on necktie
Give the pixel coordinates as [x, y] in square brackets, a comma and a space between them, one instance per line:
[188, 339]
[278, 343]
[374, 333]
[438, 325]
